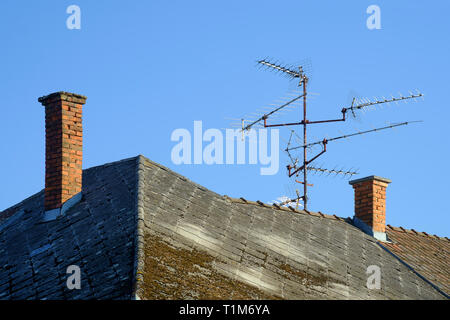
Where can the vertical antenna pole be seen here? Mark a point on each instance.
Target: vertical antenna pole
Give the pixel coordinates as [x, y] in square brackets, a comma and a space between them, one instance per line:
[305, 185]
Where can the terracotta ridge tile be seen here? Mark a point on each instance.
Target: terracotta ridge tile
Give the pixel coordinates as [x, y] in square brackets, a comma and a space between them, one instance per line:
[420, 233]
[261, 203]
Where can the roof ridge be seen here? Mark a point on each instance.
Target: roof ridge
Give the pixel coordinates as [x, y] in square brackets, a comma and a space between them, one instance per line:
[275, 206]
[176, 174]
[138, 268]
[412, 231]
[19, 204]
[112, 163]
[84, 170]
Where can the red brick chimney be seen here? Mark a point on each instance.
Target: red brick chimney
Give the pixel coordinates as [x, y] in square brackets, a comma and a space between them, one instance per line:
[63, 147]
[370, 205]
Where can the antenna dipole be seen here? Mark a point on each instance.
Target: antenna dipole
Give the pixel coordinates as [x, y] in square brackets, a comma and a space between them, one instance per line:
[292, 168]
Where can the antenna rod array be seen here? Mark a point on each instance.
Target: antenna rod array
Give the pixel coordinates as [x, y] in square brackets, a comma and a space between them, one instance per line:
[278, 67]
[371, 103]
[336, 172]
[265, 116]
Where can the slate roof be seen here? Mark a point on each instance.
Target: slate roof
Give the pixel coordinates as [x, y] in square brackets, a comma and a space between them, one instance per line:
[97, 234]
[143, 231]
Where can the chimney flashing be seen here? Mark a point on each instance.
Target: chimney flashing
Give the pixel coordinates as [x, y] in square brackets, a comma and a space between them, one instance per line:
[53, 214]
[382, 236]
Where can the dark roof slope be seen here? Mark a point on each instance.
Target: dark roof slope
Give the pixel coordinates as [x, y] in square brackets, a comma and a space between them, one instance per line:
[97, 234]
[143, 231]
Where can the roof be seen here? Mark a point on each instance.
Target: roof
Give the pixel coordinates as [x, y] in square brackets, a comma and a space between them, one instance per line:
[143, 231]
[195, 239]
[97, 234]
[427, 254]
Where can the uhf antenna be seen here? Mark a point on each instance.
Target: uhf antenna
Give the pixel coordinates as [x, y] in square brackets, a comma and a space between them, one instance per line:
[289, 201]
[293, 167]
[284, 69]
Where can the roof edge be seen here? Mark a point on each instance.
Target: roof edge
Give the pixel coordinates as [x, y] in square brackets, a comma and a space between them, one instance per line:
[419, 233]
[139, 255]
[323, 215]
[284, 208]
[87, 169]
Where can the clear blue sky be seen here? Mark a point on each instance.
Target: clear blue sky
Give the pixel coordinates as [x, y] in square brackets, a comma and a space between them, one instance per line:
[149, 67]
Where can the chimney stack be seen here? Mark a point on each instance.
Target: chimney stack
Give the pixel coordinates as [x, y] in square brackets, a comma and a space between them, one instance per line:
[63, 149]
[370, 205]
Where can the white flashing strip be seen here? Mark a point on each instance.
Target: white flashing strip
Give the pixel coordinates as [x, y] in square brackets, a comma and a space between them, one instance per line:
[70, 203]
[53, 214]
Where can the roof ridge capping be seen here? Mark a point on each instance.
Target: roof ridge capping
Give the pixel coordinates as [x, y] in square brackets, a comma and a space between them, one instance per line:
[420, 233]
[276, 206]
[146, 161]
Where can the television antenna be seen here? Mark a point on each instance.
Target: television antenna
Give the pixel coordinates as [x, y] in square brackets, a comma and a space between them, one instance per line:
[294, 168]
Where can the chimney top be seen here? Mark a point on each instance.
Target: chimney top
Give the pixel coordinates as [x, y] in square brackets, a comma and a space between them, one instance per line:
[370, 178]
[62, 95]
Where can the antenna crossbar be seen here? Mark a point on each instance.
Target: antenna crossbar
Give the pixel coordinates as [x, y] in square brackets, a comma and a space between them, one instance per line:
[325, 141]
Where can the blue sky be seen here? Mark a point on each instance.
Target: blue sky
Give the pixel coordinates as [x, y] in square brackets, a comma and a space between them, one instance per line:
[150, 67]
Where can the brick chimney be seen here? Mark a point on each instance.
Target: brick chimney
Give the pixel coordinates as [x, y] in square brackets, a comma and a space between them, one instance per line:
[63, 149]
[370, 205]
